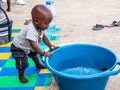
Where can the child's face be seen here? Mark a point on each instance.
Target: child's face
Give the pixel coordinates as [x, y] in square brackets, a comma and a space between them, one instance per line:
[43, 23]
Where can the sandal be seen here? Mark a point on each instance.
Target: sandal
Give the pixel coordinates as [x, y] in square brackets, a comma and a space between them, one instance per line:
[98, 27]
[115, 23]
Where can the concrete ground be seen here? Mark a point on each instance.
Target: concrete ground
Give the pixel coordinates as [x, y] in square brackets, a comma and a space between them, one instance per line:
[76, 18]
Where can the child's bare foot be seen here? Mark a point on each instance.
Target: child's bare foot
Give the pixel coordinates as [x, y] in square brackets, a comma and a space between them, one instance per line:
[8, 9]
[21, 76]
[23, 79]
[40, 66]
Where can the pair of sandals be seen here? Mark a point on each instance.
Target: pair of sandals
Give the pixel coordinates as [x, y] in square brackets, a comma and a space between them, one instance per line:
[99, 26]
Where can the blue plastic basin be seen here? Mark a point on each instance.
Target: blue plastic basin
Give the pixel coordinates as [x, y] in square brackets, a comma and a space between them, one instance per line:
[82, 66]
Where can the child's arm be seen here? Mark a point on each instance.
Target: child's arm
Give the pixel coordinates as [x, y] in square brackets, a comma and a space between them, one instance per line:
[47, 42]
[38, 50]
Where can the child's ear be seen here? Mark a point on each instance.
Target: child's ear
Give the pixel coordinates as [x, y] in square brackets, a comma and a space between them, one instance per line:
[36, 20]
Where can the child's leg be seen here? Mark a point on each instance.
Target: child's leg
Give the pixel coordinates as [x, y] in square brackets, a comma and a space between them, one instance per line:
[8, 5]
[35, 58]
[37, 62]
[21, 64]
[21, 76]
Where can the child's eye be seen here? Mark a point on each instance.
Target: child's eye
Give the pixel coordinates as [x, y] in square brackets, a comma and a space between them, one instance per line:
[46, 23]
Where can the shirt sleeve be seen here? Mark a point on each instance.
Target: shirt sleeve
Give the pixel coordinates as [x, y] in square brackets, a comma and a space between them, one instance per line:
[31, 35]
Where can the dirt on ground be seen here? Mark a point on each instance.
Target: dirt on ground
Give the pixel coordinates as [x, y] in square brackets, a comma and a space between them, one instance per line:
[76, 18]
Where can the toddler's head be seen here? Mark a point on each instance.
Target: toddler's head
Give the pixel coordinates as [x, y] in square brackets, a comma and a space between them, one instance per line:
[41, 17]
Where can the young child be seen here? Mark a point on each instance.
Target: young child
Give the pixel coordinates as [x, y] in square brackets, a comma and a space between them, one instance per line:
[27, 41]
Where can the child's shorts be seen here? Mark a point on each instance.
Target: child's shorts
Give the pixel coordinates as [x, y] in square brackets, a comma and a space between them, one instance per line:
[21, 57]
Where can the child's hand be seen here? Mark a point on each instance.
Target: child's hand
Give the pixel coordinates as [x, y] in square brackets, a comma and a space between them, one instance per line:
[49, 54]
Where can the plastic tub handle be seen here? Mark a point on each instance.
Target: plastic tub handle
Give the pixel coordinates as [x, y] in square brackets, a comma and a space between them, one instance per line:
[114, 72]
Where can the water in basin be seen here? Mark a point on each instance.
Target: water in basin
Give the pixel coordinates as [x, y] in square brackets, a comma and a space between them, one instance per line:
[81, 71]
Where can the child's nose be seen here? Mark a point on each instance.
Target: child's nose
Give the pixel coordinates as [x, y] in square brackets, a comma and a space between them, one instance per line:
[48, 25]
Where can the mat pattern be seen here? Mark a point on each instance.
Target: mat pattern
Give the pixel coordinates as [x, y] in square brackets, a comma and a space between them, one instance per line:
[38, 79]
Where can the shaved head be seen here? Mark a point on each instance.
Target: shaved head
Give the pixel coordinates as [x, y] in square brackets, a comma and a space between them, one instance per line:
[39, 11]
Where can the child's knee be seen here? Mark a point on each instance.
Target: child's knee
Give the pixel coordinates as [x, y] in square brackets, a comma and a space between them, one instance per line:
[21, 63]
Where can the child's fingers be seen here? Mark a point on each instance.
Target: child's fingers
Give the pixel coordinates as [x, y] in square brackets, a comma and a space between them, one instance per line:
[48, 54]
